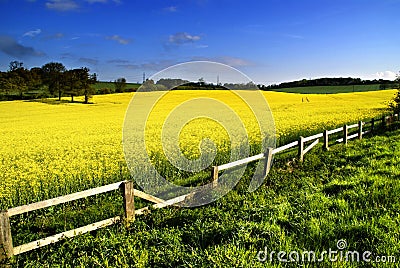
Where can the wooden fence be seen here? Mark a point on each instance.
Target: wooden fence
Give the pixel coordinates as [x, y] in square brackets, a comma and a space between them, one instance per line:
[128, 192]
[304, 144]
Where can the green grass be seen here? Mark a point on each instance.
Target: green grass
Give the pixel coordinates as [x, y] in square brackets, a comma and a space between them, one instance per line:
[329, 89]
[350, 193]
[110, 85]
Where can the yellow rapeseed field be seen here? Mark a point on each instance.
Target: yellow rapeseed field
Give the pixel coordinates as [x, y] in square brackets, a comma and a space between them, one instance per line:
[50, 149]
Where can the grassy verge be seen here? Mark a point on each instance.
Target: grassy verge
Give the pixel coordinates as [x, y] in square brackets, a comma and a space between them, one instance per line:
[349, 193]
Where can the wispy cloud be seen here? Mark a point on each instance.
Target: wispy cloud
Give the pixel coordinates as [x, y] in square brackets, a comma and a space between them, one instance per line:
[66, 55]
[96, 1]
[119, 39]
[10, 47]
[118, 61]
[32, 33]
[234, 61]
[103, 1]
[182, 38]
[293, 36]
[151, 66]
[54, 36]
[228, 60]
[62, 5]
[171, 9]
[129, 66]
[89, 61]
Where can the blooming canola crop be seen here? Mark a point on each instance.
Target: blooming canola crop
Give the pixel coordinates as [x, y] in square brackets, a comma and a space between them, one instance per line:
[49, 149]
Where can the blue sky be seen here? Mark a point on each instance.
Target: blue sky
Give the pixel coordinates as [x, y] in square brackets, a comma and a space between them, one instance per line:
[271, 41]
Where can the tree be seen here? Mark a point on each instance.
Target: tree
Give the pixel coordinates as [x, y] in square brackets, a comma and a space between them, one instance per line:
[16, 79]
[72, 83]
[202, 82]
[35, 81]
[5, 83]
[87, 80]
[11, 82]
[120, 85]
[19, 84]
[149, 85]
[79, 81]
[14, 65]
[171, 83]
[52, 77]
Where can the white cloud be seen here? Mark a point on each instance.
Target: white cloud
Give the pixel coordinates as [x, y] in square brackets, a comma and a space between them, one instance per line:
[387, 75]
[182, 38]
[32, 33]
[62, 5]
[119, 39]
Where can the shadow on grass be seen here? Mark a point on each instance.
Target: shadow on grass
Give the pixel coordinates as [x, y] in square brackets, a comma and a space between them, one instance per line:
[56, 102]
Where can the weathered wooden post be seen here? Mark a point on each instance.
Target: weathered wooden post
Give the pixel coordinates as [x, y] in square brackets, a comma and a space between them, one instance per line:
[214, 176]
[6, 246]
[326, 140]
[360, 130]
[392, 119]
[345, 134]
[372, 124]
[128, 195]
[301, 148]
[268, 160]
[383, 121]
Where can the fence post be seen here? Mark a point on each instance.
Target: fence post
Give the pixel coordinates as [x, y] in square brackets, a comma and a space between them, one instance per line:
[301, 149]
[326, 140]
[129, 201]
[268, 160]
[6, 246]
[383, 121]
[360, 130]
[345, 134]
[214, 176]
[372, 124]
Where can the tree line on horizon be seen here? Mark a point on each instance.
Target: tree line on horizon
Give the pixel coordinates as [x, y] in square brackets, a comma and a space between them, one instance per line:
[51, 80]
[337, 81]
[54, 80]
